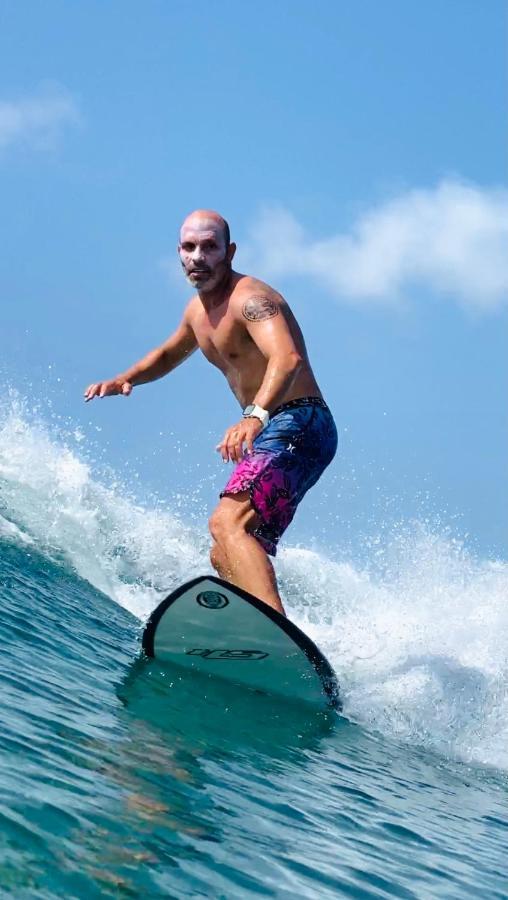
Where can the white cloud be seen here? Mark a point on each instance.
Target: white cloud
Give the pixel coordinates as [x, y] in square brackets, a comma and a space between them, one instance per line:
[452, 240]
[37, 120]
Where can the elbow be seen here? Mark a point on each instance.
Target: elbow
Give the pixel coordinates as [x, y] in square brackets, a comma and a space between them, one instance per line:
[287, 364]
[294, 362]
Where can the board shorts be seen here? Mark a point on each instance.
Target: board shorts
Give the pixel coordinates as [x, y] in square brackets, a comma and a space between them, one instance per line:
[288, 457]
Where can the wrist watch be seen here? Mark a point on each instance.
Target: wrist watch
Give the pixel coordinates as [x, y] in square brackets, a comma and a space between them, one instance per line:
[257, 412]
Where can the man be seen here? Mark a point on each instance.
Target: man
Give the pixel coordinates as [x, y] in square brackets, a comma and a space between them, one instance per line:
[286, 436]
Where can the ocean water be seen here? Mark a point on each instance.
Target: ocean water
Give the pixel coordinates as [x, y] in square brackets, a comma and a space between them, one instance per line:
[117, 779]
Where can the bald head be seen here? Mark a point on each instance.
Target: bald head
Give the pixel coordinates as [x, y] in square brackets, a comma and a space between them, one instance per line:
[207, 219]
[205, 249]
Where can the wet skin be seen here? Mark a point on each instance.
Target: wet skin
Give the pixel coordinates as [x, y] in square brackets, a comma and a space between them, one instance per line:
[228, 340]
[246, 329]
[242, 326]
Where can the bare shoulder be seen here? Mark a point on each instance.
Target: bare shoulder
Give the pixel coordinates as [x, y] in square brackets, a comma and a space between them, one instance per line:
[255, 301]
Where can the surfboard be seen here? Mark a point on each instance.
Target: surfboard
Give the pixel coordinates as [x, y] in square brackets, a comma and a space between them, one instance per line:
[212, 627]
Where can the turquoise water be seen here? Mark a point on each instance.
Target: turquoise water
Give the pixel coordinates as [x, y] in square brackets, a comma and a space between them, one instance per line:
[118, 779]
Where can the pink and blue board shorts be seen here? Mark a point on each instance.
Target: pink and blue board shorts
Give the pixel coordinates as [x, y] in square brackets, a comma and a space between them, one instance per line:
[289, 456]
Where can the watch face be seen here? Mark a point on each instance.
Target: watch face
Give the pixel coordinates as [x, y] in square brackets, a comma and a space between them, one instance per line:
[249, 409]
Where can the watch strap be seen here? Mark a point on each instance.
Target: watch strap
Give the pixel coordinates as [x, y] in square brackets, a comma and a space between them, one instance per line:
[257, 412]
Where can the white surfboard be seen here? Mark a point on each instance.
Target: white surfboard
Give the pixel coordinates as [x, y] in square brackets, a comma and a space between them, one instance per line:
[212, 627]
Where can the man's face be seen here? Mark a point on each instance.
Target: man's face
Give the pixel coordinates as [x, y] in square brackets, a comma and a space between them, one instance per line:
[203, 255]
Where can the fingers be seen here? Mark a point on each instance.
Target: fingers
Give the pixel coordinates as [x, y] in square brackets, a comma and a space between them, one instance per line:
[227, 446]
[91, 392]
[223, 447]
[107, 388]
[244, 434]
[220, 448]
[236, 438]
[235, 446]
[95, 390]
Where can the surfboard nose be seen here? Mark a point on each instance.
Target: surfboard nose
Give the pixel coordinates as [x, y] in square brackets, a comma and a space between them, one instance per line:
[211, 626]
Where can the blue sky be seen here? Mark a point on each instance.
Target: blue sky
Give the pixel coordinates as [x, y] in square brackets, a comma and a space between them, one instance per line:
[358, 151]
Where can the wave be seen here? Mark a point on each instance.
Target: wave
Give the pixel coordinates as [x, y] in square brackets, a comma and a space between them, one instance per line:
[417, 634]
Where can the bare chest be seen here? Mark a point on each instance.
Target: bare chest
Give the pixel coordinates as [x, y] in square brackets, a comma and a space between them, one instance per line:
[222, 340]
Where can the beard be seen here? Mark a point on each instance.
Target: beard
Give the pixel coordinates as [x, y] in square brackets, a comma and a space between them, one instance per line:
[208, 279]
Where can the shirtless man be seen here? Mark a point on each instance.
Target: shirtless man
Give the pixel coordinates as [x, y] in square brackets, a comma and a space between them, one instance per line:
[286, 436]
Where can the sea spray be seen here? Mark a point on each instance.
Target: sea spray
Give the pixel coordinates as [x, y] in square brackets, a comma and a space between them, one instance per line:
[130, 552]
[421, 650]
[418, 635]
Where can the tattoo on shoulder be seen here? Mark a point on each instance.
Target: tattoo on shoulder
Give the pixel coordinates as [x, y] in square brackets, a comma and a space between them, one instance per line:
[257, 308]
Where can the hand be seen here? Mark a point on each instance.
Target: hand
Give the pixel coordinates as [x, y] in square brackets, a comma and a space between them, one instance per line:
[108, 388]
[231, 446]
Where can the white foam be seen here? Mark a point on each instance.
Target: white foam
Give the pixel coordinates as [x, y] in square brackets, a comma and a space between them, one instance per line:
[10, 531]
[421, 648]
[130, 552]
[419, 642]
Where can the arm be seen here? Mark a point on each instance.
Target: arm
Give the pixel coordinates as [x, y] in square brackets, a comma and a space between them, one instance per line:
[163, 359]
[155, 364]
[266, 319]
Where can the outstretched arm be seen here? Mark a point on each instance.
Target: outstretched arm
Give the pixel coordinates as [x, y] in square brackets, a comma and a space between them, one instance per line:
[155, 364]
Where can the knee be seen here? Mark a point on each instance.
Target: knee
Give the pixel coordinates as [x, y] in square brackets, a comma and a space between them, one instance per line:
[219, 525]
[229, 522]
[214, 527]
[218, 559]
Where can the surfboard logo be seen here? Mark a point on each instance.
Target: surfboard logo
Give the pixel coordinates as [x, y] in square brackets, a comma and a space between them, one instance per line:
[212, 600]
[227, 654]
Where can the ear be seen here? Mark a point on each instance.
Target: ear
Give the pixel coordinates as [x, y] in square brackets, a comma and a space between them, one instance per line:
[231, 252]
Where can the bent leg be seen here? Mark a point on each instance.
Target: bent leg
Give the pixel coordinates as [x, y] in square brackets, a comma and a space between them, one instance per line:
[218, 560]
[236, 555]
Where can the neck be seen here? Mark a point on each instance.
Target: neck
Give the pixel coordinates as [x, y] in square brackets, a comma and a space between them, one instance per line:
[218, 294]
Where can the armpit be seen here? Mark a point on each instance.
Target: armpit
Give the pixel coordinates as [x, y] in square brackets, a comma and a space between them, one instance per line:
[255, 309]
